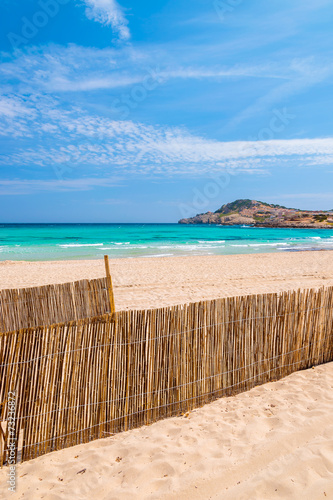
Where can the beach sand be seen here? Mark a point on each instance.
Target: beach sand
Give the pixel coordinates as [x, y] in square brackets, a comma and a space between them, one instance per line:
[154, 282]
[275, 441]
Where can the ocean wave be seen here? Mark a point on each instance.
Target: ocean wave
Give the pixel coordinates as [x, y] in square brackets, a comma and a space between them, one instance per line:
[77, 245]
[132, 247]
[298, 248]
[159, 255]
[262, 245]
[211, 241]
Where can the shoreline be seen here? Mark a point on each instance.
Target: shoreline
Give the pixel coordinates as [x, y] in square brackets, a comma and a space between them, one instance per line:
[164, 256]
[141, 283]
[258, 226]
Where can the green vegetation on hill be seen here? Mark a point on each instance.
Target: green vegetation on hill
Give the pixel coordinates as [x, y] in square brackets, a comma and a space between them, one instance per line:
[320, 217]
[239, 205]
[271, 205]
[235, 206]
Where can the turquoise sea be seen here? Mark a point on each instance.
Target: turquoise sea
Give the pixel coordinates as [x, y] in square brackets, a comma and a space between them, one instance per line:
[90, 241]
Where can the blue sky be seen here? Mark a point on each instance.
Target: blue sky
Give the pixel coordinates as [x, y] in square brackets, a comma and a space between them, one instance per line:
[151, 111]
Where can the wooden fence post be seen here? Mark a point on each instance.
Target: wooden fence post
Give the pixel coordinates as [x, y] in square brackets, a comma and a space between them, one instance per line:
[109, 283]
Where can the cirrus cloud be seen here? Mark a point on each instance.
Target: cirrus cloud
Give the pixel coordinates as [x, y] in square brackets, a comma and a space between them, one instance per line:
[74, 137]
[108, 13]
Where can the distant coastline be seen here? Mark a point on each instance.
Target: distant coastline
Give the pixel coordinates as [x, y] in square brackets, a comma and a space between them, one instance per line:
[262, 215]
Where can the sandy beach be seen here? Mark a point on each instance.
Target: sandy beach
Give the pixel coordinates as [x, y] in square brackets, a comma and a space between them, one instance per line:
[275, 441]
[141, 283]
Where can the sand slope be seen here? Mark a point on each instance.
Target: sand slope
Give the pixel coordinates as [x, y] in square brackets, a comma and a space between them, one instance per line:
[273, 442]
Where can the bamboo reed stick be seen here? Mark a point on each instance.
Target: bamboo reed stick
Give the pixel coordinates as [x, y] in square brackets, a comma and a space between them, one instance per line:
[109, 284]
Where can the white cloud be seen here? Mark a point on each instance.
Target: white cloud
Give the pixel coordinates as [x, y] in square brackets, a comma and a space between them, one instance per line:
[307, 74]
[109, 13]
[68, 135]
[11, 106]
[73, 69]
[15, 116]
[322, 160]
[80, 69]
[73, 137]
[24, 186]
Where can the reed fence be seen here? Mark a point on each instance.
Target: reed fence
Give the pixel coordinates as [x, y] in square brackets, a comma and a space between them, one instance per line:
[74, 382]
[50, 304]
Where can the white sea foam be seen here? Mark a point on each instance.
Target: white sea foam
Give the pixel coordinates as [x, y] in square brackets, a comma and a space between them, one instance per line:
[262, 245]
[132, 247]
[159, 255]
[211, 241]
[115, 248]
[77, 245]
